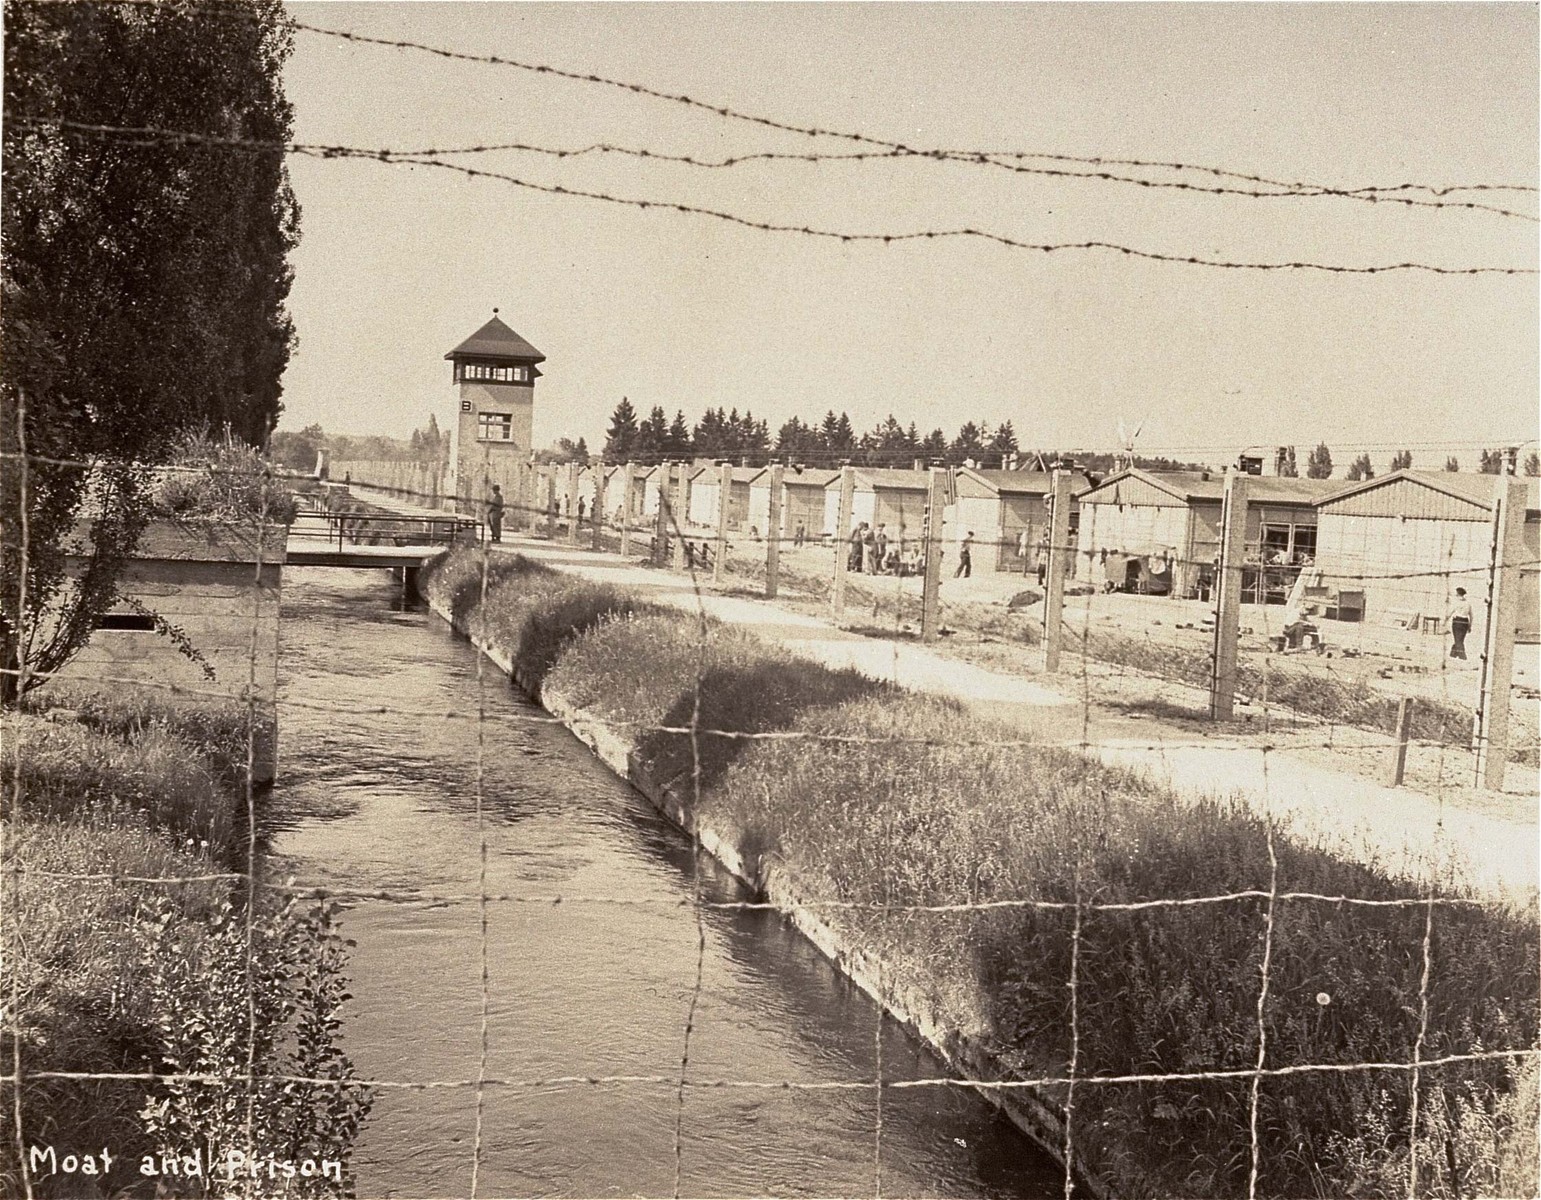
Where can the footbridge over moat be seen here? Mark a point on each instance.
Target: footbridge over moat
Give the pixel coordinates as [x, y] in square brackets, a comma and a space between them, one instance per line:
[363, 535]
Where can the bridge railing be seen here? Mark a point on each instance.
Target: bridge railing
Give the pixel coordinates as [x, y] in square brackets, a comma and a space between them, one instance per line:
[377, 529]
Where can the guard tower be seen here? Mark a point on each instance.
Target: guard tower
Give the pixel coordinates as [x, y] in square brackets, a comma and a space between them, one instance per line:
[494, 374]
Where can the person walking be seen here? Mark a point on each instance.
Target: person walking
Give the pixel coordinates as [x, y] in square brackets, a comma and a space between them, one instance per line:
[495, 514]
[801, 535]
[880, 549]
[1460, 623]
[965, 560]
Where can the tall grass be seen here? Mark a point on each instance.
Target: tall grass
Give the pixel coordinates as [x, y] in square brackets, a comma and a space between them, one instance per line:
[897, 800]
[114, 974]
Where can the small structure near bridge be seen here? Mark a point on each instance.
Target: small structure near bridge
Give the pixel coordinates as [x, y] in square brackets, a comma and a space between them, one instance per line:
[212, 587]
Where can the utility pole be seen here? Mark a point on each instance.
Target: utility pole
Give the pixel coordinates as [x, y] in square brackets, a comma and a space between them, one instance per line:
[773, 534]
[724, 499]
[1490, 735]
[842, 539]
[597, 511]
[931, 585]
[1233, 549]
[1054, 578]
[626, 473]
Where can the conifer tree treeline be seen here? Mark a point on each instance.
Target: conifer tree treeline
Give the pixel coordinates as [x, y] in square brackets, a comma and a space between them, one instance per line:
[742, 437]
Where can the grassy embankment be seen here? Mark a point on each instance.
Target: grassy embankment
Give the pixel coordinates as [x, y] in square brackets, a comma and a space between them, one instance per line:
[112, 975]
[915, 807]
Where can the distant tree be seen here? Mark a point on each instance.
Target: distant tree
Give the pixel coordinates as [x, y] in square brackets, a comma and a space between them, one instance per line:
[1284, 462]
[1533, 463]
[1492, 462]
[836, 436]
[1003, 442]
[621, 437]
[968, 444]
[297, 450]
[653, 437]
[677, 437]
[796, 442]
[1452, 463]
[934, 447]
[710, 438]
[1401, 460]
[1360, 468]
[1319, 463]
[754, 440]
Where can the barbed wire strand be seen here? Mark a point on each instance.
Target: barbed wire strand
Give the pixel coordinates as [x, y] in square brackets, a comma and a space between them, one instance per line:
[670, 1082]
[9, 829]
[850, 237]
[144, 135]
[813, 131]
[484, 1032]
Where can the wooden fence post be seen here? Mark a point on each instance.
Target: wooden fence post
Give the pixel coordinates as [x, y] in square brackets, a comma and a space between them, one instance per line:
[1233, 550]
[626, 489]
[842, 539]
[1399, 755]
[597, 509]
[1507, 550]
[724, 502]
[931, 586]
[773, 533]
[1054, 579]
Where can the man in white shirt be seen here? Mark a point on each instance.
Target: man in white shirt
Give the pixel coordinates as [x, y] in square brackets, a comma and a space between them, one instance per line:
[1460, 623]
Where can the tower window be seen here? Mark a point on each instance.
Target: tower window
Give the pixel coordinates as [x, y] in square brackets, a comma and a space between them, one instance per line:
[487, 373]
[494, 427]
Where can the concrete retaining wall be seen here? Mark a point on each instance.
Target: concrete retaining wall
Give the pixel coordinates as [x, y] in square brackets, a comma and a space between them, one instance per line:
[1035, 1114]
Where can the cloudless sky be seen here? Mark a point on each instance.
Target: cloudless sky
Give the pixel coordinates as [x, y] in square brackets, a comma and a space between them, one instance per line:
[398, 263]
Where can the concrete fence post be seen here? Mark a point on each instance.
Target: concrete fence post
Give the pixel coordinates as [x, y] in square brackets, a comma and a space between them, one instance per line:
[773, 533]
[597, 509]
[1233, 550]
[1490, 734]
[724, 503]
[572, 503]
[842, 539]
[679, 512]
[661, 518]
[1399, 754]
[931, 586]
[1054, 578]
[626, 489]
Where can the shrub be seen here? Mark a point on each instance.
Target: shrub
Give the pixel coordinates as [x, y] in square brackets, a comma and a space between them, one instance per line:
[221, 479]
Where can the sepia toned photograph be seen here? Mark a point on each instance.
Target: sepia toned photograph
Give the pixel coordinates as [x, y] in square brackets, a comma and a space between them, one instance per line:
[753, 600]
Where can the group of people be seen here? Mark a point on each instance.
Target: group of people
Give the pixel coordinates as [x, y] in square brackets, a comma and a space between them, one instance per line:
[873, 552]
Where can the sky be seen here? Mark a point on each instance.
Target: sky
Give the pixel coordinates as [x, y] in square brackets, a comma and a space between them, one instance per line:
[397, 264]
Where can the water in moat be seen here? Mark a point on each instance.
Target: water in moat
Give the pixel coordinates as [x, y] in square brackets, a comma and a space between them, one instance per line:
[388, 801]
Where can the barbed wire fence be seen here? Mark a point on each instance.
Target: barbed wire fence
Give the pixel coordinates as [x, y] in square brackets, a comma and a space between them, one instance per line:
[826, 565]
[676, 531]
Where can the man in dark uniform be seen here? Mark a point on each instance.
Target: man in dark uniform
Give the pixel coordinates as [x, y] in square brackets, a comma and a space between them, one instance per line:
[495, 514]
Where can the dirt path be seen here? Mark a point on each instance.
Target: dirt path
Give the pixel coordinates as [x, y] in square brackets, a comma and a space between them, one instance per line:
[1490, 843]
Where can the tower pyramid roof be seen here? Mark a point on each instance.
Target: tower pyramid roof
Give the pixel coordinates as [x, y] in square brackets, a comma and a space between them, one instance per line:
[496, 340]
